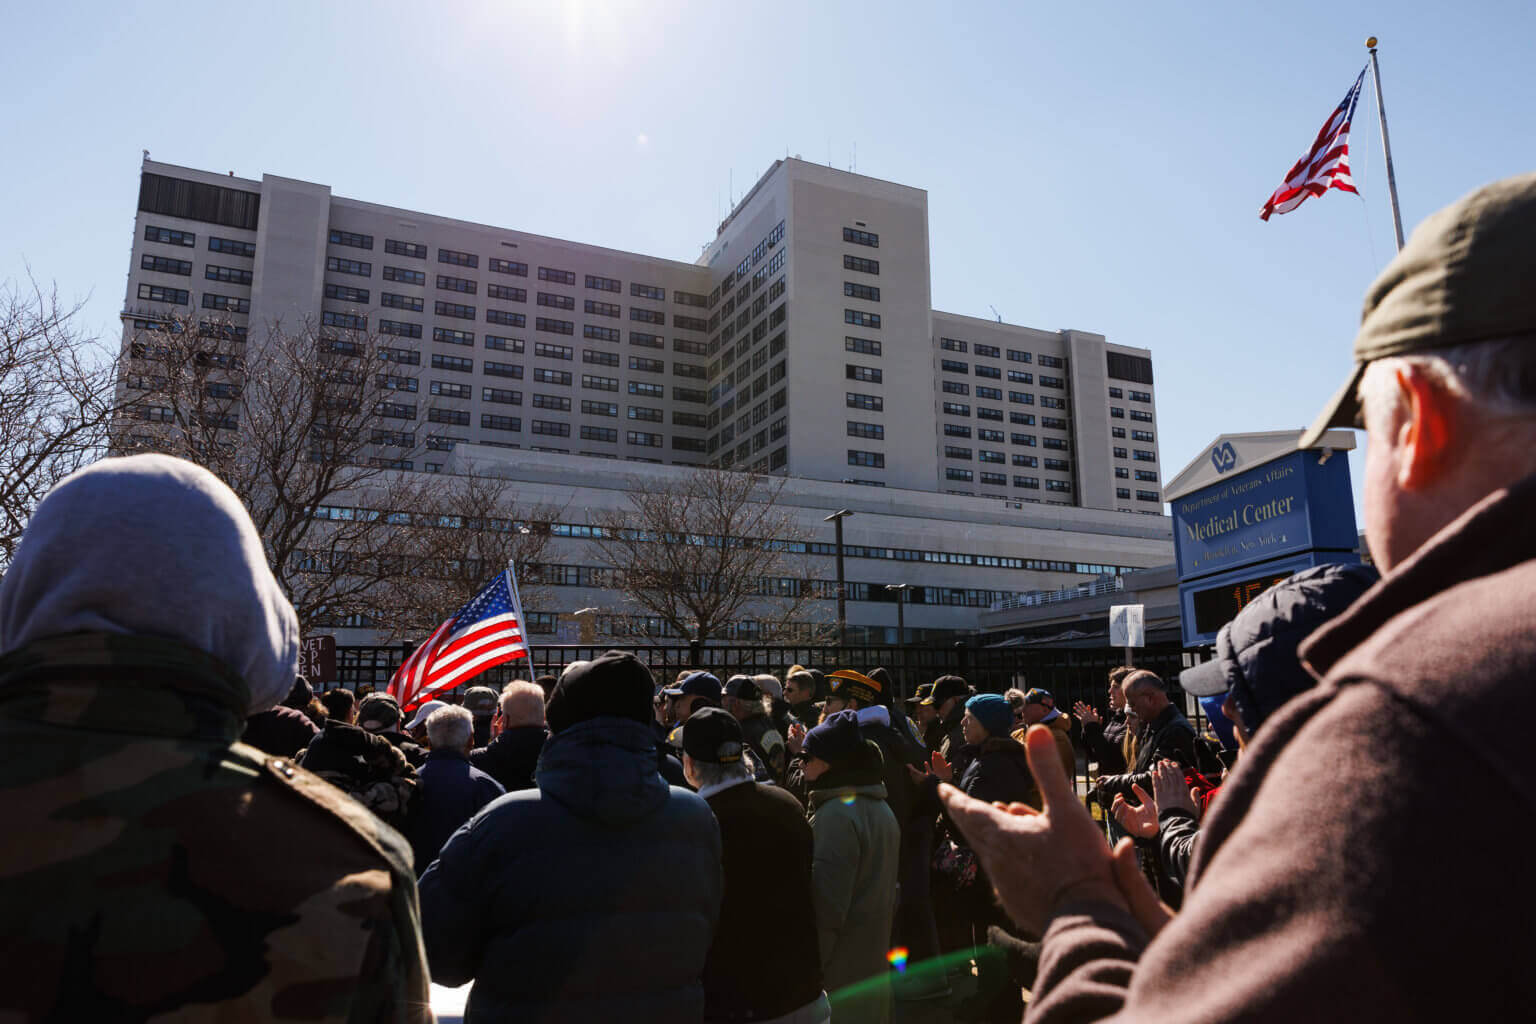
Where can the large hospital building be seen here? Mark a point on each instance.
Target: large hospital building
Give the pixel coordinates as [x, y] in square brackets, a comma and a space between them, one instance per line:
[802, 342]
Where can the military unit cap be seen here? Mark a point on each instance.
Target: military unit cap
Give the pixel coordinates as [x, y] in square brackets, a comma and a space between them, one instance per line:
[850, 684]
[378, 712]
[1463, 277]
[924, 691]
[713, 735]
[481, 700]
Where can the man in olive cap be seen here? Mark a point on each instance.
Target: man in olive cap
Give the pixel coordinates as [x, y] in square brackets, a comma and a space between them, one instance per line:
[1328, 873]
[481, 701]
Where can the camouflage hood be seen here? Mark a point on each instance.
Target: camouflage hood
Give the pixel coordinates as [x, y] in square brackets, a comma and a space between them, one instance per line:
[153, 546]
[603, 768]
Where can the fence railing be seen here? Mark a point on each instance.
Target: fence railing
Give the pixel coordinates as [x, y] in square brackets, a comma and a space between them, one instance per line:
[1035, 598]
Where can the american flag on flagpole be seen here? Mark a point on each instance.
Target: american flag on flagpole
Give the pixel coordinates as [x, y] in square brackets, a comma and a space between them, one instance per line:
[486, 632]
[1326, 164]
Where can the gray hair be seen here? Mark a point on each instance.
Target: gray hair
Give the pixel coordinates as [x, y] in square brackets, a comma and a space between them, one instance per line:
[450, 728]
[707, 773]
[1498, 377]
[522, 703]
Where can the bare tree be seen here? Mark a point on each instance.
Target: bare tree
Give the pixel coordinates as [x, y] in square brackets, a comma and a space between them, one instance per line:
[696, 557]
[57, 398]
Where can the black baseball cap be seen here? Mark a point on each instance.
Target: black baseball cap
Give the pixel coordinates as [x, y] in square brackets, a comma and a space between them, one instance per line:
[743, 688]
[946, 687]
[713, 736]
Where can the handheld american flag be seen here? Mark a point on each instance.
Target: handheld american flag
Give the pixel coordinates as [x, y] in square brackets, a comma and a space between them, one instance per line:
[486, 632]
[1326, 164]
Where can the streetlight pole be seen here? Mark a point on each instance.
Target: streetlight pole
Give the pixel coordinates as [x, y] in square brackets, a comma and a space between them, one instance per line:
[836, 519]
[901, 618]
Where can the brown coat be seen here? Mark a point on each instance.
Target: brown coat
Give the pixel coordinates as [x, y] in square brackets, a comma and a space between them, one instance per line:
[1368, 859]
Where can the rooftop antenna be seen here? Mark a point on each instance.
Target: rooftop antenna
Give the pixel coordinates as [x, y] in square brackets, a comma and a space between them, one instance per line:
[855, 167]
[995, 312]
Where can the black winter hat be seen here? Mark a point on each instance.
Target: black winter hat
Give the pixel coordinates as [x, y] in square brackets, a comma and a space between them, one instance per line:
[614, 684]
[713, 735]
[301, 694]
[1256, 658]
[742, 688]
[836, 740]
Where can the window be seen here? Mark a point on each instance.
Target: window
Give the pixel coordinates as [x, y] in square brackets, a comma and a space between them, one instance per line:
[501, 396]
[1052, 382]
[337, 265]
[872, 460]
[1141, 416]
[867, 374]
[1053, 403]
[991, 372]
[343, 293]
[451, 337]
[447, 389]
[548, 351]
[1121, 473]
[1053, 361]
[554, 326]
[1057, 444]
[1121, 453]
[557, 403]
[1117, 432]
[645, 412]
[394, 438]
[868, 238]
[395, 410]
[1135, 369]
[491, 421]
[954, 366]
[605, 284]
[506, 292]
[690, 419]
[596, 383]
[986, 434]
[453, 309]
[643, 439]
[415, 250]
[695, 395]
[390, 382]
[984, 413]
[1021, 419]
[1020, 357]
[453, 417]
[557, 276]
[1150, 496]
[868, 293]
[999, 479]
[647, 291]
[544, 376]
[956, 430]
[399, 329]
[168, 236]
[693, 348]
[1027, 440]
[348, 321]
[648, 390]
[597, 358]
[608, 434]
[550, 429]
[232, 247]
[1140, 455]
[645, 340]
[994, 394]
[647, 316]
[512, 267]
[390, 300]
[166, 265]
[873, 403]
[458, 364]
[951, 345]
[1117, 393]
[501, 344]
[861, 264]
[1060, 465]
[693, 323]
[601, 308]
[956, 409]
[1142, 435]
[1141, 396]
[404, 356]
[1027, 461]
[689, 444]
[600, 333]
[956, 473]
[690, 299]
[506, 319]
[1021, 377]
[873, 431]
[1029, 483]
[861, 319]
[458, 259]
[693, 370]
[356, 241]
[956, 452]
[599, 408]
[555, 300]
[647, 365]
[1146, 476]
[1060, 486]
[404, 276]
[956, 387]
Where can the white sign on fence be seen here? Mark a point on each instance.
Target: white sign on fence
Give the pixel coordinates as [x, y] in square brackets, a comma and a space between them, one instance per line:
[1127, 625]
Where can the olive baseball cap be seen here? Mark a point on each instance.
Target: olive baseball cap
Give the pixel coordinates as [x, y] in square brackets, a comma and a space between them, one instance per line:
[1463, 277]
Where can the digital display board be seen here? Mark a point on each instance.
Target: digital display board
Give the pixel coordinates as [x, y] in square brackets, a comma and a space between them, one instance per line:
[1217, 606]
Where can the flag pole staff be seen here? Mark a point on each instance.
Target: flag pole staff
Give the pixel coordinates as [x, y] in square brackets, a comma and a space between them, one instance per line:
[522, 621]
[1386, 144]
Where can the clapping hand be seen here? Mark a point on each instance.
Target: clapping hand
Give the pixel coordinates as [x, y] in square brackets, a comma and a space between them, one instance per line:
[1139, 820]
[1170, 790]
[796, 738]
[1086, 713]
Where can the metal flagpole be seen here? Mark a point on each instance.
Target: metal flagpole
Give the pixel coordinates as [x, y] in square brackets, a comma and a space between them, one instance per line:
[522, 620]
[1386, 144]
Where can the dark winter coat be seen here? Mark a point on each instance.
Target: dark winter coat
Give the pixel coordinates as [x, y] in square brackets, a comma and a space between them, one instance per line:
[667, 762]
[998, 770]
[415, 753]
[767, 909]
[1103, 741]
[281, 732]
[953, 746]
[897, 752]
[1168, 736]
[511, 757]
[767, 745]
[591, 898]
[450, 791]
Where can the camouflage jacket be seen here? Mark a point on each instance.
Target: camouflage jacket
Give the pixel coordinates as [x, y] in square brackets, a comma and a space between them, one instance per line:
[155, 868]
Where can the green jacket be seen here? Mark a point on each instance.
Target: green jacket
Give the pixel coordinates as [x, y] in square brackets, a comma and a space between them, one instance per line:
[155, 866]
[853, 881]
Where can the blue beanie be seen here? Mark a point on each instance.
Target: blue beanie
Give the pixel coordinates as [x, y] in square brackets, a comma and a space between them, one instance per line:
[835, 740]
[993, 711]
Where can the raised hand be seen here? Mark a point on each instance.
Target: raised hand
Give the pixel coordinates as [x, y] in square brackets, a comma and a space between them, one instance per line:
[1169, 788]
[796, 738]
[1086, 713]
[1038, 860]
[941, 767]
[1140, 820]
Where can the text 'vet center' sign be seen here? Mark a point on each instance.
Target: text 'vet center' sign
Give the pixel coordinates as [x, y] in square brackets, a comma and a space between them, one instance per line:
[1127, 625]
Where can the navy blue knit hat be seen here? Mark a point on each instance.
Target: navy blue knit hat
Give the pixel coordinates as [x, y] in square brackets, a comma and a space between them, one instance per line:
[836, 740]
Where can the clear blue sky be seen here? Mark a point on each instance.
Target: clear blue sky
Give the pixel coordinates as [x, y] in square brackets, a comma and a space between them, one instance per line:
[1089, 165]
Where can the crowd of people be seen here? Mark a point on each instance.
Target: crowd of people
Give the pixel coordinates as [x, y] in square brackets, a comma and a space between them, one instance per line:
[196, 834]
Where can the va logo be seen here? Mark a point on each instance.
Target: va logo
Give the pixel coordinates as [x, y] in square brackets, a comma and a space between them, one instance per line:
[1223, 457]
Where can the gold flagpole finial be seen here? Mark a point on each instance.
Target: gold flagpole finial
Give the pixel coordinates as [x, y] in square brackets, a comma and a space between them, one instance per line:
[1370, 44]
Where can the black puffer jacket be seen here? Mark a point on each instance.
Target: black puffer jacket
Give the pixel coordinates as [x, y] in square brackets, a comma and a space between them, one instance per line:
[1168, 736]
[511, 757]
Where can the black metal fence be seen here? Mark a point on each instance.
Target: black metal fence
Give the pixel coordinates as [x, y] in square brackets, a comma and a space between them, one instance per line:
[1070, 673]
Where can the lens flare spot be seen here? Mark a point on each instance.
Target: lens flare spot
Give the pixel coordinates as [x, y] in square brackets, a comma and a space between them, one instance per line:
[898, 958]
[849, 799]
